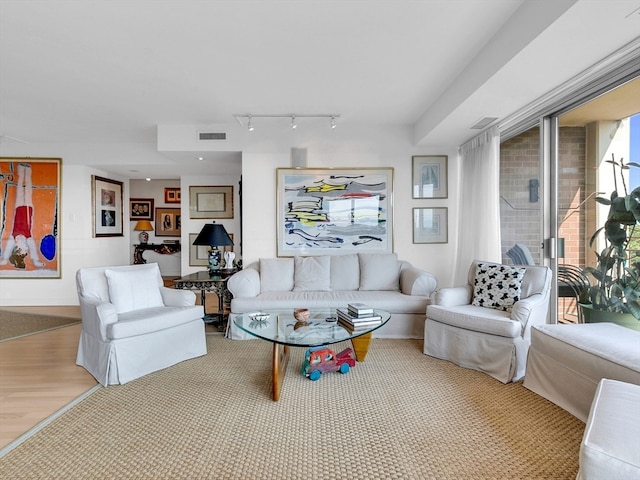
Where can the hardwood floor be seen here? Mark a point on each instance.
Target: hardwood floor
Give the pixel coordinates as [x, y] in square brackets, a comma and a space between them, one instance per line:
[39, 375]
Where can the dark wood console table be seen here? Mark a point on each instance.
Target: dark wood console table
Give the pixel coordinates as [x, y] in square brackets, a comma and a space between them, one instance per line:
[205, 282]
[162, 248]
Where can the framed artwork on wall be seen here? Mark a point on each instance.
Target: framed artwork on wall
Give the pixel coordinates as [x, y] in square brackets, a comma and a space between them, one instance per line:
[106, 198]
[334, 211]
[30, 192]
[211, 202]
[168, 222]
[141, 209]
[430, 225]
[430, 177]
[172, 195]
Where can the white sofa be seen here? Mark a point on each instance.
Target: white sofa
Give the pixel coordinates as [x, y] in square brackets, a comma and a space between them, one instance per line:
[566, 362]
[332, 281]
[471, 327]
[132, 325]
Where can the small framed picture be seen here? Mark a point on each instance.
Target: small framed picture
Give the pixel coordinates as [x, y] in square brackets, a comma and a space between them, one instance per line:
[430, 225]
[211, 201]
[107, 207]
[430, 176]
[198, 254]
[172, 195]
[168, 222]
[140, 209]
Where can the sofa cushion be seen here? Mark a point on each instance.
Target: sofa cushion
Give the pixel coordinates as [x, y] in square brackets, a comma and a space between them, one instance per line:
[479, 319]
[497, 286]
[276, 274]
[345, 272]
[134, 289]
[312, 274]
[379, 271]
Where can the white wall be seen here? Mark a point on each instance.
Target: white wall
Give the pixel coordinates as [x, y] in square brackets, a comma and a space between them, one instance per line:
[268, 149]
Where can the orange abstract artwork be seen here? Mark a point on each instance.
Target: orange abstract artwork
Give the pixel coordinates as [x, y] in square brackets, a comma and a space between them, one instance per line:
[29, 218]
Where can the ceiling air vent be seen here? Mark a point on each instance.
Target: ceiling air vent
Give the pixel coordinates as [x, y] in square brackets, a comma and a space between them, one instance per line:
[483, 123]
[212, 136]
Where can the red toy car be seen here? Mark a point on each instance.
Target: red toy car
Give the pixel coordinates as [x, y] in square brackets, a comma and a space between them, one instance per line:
[319, 360]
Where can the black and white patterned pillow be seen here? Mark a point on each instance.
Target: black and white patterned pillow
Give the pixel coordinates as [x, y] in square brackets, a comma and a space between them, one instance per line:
[497, 286]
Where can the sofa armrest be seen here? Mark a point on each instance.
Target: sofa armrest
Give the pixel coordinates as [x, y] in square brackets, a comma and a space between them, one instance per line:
[531, 310]
[176, 297]
[452, 296]
[414, 281]
[96, 315]
[245, 283]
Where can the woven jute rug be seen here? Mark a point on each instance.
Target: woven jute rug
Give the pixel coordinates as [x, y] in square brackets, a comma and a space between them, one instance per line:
[398, 415]
[16, 324]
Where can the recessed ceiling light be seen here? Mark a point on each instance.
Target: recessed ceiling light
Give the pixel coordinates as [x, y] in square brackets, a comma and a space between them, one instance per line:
[148, 179]
[200, 158]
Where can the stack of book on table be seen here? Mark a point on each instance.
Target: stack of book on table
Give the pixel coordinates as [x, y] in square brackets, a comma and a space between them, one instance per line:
[358, 316]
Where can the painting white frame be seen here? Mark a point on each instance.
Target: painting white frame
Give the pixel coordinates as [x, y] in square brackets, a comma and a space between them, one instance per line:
[430, 176]
[334, 211]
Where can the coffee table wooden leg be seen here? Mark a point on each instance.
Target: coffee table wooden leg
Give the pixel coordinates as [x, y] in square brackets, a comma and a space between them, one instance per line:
[279, 366]
[361, 346]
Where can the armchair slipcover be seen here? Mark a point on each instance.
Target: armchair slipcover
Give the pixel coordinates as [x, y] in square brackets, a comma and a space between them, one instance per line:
[132, 325]
[487, 339]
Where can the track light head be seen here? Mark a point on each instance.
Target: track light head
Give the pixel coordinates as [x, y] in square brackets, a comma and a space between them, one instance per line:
[249, 124]
[333, 122]
[293, 122]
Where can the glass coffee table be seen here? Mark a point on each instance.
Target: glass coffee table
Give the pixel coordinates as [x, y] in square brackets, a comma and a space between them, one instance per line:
[323, 329]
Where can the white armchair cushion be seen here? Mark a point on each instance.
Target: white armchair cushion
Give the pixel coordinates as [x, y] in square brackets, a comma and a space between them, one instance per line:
[379, 271]
[134, 289]
[312, 274]
[497, 286]
[276, 274]
[479, 319]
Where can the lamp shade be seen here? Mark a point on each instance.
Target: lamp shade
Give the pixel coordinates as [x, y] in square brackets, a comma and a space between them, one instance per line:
[143, 226]
[213, 235]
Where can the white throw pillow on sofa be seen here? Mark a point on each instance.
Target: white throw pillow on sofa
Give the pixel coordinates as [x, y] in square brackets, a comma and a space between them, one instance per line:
[345, 272]
[312, 274]
[134, 289]
[379, 271]
[276, 274]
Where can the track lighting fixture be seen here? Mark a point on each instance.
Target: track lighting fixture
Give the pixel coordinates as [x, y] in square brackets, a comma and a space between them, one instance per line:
[293, 116]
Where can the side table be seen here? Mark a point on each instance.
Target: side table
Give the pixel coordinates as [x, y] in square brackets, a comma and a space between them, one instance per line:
[205, 282]
[162, 248]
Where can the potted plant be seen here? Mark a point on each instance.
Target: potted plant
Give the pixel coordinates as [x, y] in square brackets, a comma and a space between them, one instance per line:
[614, 292]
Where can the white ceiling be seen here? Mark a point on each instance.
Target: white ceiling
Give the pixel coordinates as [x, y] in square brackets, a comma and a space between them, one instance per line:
[112, 71]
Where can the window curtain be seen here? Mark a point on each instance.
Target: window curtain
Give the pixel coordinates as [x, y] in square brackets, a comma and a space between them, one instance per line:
[479, 219]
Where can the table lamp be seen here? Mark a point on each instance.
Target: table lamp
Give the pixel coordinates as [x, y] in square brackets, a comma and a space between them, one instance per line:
[143, 226]
[214, 235]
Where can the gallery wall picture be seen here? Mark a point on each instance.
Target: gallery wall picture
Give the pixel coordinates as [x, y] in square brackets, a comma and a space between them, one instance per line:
[168, 222]
[211, 201]
[334, 211]
[30, 217]
[106, 198]
[430, 176]
[141, 209]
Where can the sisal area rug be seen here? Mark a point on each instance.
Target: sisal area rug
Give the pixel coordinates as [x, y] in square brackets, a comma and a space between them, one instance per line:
[398, 415]
[16, 324]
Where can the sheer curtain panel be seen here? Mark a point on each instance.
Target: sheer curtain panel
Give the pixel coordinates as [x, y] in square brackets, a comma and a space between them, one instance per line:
[479, 219]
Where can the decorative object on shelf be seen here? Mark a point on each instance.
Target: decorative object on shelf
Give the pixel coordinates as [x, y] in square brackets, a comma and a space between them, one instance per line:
[141, 209]
[211, 201]
[616, 286]
[334, 211]
[143, 226]
[213, 235]
[107, 207]
[172, 195]
[168, 222]
[430, 176]
[30, 192]
[229, 257]
[430, 225]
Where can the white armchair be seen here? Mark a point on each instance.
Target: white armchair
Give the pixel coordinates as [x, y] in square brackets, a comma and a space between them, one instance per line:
[486, 324]
[132, 325]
